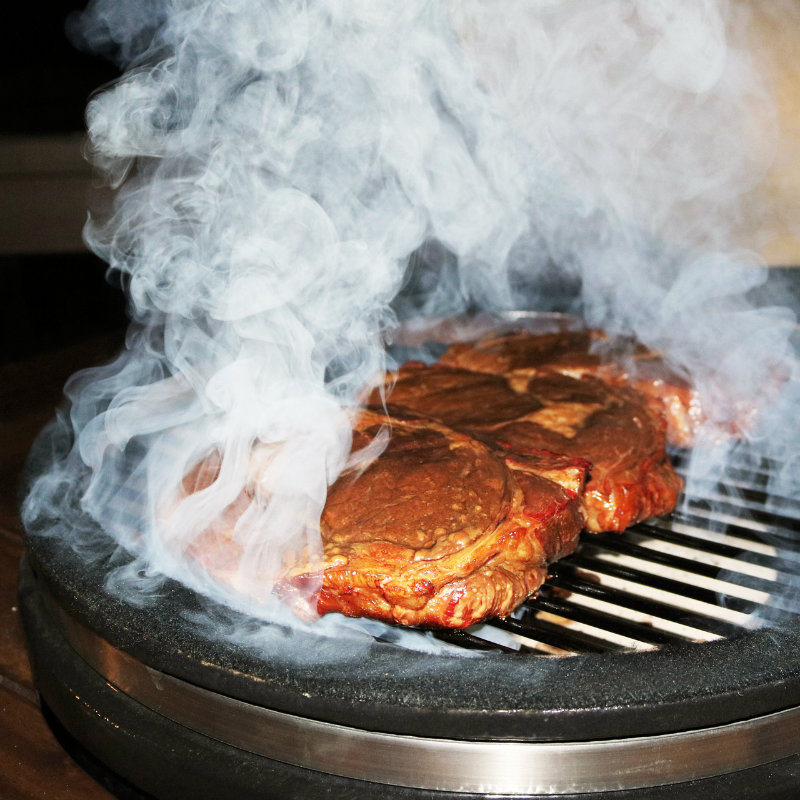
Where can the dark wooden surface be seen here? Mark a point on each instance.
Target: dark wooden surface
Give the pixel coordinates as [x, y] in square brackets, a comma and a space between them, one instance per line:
[32, 763]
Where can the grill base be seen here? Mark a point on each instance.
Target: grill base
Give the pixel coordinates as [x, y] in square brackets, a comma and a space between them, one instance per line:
[165, 760]
[110, 781]
[638, 682]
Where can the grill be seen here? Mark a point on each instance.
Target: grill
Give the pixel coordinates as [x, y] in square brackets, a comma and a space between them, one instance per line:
[638, 668]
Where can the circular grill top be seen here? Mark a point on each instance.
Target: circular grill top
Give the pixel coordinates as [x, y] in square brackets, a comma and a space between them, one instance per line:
[502, 694]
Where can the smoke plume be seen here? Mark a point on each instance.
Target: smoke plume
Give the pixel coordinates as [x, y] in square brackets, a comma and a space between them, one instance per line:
[294, 176]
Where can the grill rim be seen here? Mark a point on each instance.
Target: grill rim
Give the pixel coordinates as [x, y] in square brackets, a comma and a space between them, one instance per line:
[492, 696]
[437, 763]
[118, 734]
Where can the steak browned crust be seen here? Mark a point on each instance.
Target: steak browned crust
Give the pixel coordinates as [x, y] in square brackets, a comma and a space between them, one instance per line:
[612, 427]
[488, 476]
[617, 360]
[441, 529]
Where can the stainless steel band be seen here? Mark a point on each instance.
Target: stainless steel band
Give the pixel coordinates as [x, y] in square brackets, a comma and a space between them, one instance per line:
[488, 767]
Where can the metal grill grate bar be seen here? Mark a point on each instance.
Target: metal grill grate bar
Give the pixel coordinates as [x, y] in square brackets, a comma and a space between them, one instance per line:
[701, 573]
[544, 632]
[724, 514]
[679, 619]
[655, 586]
[752, 465]
[751, 500]
[734, 535]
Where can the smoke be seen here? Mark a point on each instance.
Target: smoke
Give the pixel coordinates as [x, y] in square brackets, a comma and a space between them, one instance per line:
[294, 175]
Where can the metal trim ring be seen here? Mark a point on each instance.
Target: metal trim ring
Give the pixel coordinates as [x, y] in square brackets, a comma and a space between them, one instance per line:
[488, 767]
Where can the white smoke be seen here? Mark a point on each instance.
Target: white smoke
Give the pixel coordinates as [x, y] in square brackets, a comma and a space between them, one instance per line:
[280, 163]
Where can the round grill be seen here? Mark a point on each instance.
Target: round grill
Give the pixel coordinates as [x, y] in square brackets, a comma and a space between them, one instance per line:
[636, 666]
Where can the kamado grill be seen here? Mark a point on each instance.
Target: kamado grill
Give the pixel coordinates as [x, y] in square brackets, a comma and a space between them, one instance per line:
[288, 179]
[636, 672]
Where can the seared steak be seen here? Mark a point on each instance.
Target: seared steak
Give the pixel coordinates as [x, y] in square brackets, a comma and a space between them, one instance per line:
[441, 529]
[612, 427]
[619, 361]
[489, 474]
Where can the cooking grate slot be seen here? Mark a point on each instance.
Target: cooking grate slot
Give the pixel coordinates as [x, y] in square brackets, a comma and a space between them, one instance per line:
[688, 553]
[742, 458]
[469, 641]
[723, 545]
[770, 544]
[548, 634]
[692, 566]
[666, 616]
[745, 496]
[657, 587]
[605, 616]
[730, 512]
[743, 488]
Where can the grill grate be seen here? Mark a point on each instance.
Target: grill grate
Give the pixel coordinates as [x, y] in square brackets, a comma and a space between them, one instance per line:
[719, 562]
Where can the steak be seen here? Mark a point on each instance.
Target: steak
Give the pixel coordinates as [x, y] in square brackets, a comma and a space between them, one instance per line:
[585, 418]
[495, 462]
[441, 529]
[616, 360]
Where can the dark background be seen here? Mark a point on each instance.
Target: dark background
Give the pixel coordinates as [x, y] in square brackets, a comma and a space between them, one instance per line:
[49, 299]
[46, 80]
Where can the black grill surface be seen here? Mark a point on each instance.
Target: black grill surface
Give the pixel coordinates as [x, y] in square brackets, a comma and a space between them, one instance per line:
[721, 564]
[646, 632]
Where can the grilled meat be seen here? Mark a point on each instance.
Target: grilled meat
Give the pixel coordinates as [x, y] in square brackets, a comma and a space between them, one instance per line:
[617, 360]
[488, 476]
[441, 529]
[612, 427]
